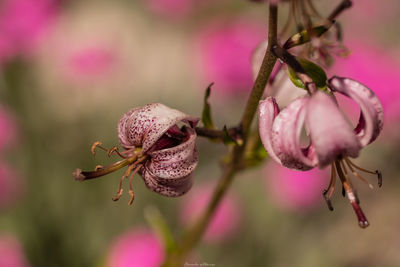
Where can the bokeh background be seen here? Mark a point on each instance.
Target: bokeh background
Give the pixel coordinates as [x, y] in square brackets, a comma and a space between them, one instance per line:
[68, 71]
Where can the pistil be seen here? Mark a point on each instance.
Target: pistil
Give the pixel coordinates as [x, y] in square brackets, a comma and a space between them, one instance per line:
[362, 220]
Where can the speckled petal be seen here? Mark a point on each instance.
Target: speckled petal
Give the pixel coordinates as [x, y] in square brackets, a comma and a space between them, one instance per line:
[169, 171]
[285, 136]
[122, 129]
[267, 111]
[330, 133]
[167, 189]
[175, 162]
[144, 126]
[371, 118]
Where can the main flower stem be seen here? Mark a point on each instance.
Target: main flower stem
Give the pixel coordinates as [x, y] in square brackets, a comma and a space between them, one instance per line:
[193, 235]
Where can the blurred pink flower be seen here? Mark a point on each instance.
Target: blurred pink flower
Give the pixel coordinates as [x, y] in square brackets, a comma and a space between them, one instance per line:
[8, 129]
[11, 186]
[139, 247]
[11, 252]
[224, 51]
[171, 8]
[227, 217]
[295, 190]
[376, 69]
[21, 24]
[91, 62]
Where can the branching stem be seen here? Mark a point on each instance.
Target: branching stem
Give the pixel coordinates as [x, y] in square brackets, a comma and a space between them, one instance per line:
[193, 235]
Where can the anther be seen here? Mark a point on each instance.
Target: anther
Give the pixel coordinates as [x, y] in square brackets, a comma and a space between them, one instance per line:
[118, 195]
[98, 167]
[327, 200]
[93, 148]
[131, 198]
[379, 174]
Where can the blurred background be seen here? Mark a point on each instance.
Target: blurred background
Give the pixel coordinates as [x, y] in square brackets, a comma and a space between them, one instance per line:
[70, 69]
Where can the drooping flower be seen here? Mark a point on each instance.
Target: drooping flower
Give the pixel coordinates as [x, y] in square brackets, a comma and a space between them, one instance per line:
[138, 247]
[159, 144]
[293, 190]
[383, 77]
[279, 85]
[226, 219]
[11, 252]
[332, 141]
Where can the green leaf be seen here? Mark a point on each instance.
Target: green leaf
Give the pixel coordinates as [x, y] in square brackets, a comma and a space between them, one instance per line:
[316, 73]
[294, 78]
[160, 227]
[304, 37]
[206, 115]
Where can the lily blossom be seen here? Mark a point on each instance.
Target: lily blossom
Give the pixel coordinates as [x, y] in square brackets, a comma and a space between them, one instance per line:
[159, 144]
[332, 140]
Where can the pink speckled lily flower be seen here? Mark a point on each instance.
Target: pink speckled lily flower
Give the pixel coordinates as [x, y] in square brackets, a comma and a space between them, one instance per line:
[138, 247]
[157, 147]
[332, 140]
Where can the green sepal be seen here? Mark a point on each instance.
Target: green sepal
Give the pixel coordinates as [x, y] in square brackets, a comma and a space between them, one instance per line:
[316, 73]
[206, 114]
[256, 155]
[228, 139]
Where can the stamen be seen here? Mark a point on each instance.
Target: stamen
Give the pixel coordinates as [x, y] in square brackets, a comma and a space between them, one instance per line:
[362, 220]
[120, 190]
[356, 174]
[379, 177]
[349, 181]
[80, 175]
[130, 184]
[330, 189]
[377, 172]
[358, 167]
[113, 150]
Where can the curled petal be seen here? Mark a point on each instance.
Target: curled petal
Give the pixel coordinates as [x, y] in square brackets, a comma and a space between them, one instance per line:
[285, 137]
[144, 126]
[371, 118]
[168, 171]
[330, 133]
[167, 189]
[267, 111]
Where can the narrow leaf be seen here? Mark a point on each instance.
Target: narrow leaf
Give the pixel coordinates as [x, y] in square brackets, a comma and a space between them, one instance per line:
[160, 227]
[304, 37]
[206, 115]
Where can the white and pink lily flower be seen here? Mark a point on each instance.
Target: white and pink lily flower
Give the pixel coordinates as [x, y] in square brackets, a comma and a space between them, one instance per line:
[159, 144]
[332, 139]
